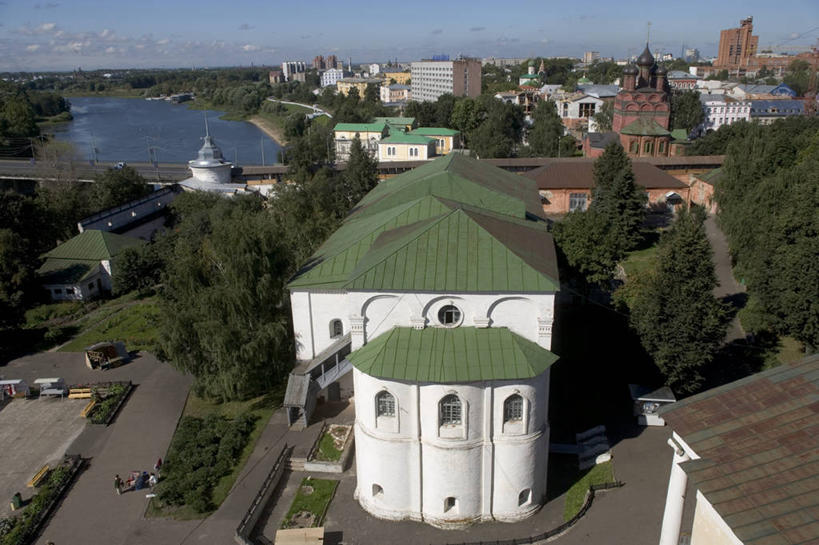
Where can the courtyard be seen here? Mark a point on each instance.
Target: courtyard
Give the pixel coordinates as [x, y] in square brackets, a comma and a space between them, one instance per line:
[34, 432]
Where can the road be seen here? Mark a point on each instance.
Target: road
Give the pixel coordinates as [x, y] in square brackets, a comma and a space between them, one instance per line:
[316, 109]
[729, 289]
[15, 169]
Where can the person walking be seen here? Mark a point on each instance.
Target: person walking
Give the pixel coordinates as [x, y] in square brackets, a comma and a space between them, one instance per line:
[157, 467]
[152, 481]
[118, 484]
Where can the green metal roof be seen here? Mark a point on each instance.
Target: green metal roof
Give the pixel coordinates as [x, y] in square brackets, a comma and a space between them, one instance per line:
[398, 137]
[94, 245]
[453, 224]
[451, 355]
[395, 120]
[712, 176]
[360, 127]
[435, 131]
[680, 135]
[67, 271]
[644, 127]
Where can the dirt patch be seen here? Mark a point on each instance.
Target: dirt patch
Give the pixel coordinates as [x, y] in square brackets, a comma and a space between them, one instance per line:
[339, 433]
[306, 490]
[302, 519]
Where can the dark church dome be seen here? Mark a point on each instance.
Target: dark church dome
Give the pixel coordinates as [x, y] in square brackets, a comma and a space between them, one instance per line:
[645, 58]
[661, 71]
[630, 70]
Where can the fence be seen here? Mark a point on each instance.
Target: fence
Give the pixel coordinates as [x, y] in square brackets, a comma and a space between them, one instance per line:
[253, 513]
[554, 531]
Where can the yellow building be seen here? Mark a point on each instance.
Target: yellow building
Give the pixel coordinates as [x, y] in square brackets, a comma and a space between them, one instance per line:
[445, 139]
[399, 77]
[405, 147]
[369, 134]
[345, 84]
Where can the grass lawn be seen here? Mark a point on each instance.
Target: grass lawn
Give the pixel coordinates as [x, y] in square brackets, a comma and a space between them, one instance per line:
[262, 407]
[599, 474]
[640, 260]
[134, 324]
[315, 502]
[327, 449]
[790, 350]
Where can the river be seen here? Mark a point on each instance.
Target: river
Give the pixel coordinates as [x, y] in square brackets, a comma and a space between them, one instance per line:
[125, 129]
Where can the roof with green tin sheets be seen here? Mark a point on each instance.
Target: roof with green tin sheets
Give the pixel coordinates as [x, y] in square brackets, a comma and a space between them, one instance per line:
[93, 244]
[398, 137]
[758, 442]
[395, 120]
[451, 355]
[645, 127]
[440, 227]
[67, 271]
[360, 127]
[435, 131]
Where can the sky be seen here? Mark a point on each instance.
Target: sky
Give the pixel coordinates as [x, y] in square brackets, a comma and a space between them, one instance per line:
[92, 34]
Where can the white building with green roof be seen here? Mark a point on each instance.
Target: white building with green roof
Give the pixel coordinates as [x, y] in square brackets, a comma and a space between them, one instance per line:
[81, 268]
[439, 289]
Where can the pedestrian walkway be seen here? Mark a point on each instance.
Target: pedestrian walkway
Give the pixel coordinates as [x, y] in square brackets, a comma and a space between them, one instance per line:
[728, 289]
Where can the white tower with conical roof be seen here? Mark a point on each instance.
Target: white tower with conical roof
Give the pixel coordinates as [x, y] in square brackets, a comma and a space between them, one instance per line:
[210, 166]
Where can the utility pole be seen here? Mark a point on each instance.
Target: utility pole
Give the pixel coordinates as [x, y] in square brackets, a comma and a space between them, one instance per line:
[94, 148]
[261, 144]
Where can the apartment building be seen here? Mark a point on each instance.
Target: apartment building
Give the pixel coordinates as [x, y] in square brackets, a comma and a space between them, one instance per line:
[433, 78]
[294, 70]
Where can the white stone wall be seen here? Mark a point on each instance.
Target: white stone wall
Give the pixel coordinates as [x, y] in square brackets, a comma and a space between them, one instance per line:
[405, 463]
[709, 528]
[375, 313]
[217, 174]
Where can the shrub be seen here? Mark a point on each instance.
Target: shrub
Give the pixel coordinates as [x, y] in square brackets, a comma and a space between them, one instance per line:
[201, 453]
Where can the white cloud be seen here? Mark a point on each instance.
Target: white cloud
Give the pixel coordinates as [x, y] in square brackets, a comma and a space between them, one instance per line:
[107, 33]
[250, 47]
[32, 47]
[110, 49]
[46, 27]
[163, 41]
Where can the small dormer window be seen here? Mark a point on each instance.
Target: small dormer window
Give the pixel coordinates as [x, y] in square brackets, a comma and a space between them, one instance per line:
[449, 315]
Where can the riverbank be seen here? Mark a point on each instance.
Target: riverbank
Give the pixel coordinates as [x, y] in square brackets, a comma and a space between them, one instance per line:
[114, 93]
[269, 127]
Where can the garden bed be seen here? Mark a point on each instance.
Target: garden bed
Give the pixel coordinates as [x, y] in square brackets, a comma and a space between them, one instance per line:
[22, 529]
[332, 450]
[110, 398]
[310, 504]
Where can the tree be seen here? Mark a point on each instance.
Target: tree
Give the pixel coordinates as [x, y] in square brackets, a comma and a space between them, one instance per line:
[360, 176]
[617, 198]
[117, 186]
[586, 243]
[140, 267]
[465, 115]
[372, 94]
[798, 76]
[604, 117]
[499, 130]
[18, 117]
[680, 322]
[224, 308]
[547, 130]
[686, 110]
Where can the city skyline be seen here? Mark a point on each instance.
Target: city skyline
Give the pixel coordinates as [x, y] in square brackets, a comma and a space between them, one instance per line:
[63, 35]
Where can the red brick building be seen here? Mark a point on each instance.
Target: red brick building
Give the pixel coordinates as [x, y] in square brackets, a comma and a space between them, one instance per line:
[641, 113]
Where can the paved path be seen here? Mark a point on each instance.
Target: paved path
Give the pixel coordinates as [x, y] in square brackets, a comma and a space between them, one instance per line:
[316, 109]
[92, 512]
[728, 289]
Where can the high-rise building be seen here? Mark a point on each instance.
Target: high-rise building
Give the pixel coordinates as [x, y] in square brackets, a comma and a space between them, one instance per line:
[319, 63]
[294, 70]
[737, 46]
[590, 56]
[692, 55]
[433, 78]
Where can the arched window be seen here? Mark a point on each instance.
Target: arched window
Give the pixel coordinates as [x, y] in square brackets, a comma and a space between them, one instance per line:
[384, 404]
[336, 329]
[449, 315]
[513, 408]
[450, 410]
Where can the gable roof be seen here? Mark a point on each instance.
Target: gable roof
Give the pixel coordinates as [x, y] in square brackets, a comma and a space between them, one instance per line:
[453, 224]
[396, 120]
[94, 245]
[435, 131]
[644, 127]
[579, 174]
[758, 442]
[360, 127]
[451, 355]
[400, 137]
[67, 271]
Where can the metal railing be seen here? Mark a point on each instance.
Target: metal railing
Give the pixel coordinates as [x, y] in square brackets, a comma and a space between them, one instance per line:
[253, 512]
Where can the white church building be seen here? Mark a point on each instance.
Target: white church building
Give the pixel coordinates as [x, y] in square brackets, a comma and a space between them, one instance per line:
[440, 286]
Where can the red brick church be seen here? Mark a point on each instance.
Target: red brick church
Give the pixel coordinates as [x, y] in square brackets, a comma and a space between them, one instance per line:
[641, 113]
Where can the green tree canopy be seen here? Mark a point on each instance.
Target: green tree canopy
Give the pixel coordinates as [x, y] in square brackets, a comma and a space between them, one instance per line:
[617, 198]
[680, 322]
[686, 110]
[117, 186]
[547, 130]
[604, 117]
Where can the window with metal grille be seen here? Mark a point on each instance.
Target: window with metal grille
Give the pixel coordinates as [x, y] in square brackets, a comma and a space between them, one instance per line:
[449, 315]
[385, 404]
[513, 408]
[450, 410]
[336, 329]
[577, 201]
